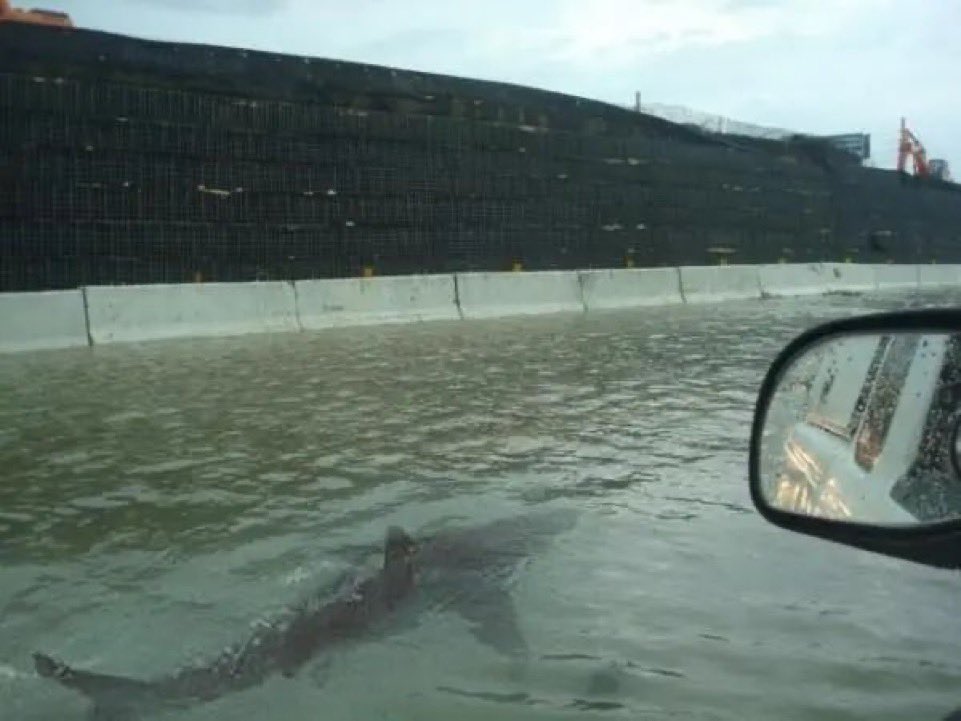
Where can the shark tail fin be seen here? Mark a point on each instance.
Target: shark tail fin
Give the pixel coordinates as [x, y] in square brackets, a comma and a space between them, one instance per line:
[111, 695]
[47, 667]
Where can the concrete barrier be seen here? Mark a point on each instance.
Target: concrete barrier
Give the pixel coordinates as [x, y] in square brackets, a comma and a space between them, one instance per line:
[363, 301]
[630, 288]
[932, 275]
[108, 314]
[785, 279]
[704, 284]
[896, 277]
[148, 312]
[489, 295]
[36, 321]
[849, 277]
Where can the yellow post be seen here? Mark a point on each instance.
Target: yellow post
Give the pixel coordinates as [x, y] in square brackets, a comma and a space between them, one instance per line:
[198, 277]
[629, 261]
[368, 271]
[517, 267]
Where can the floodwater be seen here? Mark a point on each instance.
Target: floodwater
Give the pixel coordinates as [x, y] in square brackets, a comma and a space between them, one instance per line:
[157, 499]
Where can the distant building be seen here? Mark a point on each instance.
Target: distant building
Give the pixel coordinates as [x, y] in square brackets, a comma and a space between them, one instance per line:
[858, 144]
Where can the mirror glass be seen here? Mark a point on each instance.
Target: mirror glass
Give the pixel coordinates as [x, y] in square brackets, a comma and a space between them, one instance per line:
[865, 428]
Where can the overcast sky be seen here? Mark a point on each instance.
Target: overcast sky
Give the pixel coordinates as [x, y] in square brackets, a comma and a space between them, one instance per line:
[809, 65]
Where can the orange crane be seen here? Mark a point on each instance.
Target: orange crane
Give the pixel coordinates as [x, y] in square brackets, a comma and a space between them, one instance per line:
[909, 145]
[35, 17]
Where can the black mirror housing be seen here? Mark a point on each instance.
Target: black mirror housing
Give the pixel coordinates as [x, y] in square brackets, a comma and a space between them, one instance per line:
[932, 540]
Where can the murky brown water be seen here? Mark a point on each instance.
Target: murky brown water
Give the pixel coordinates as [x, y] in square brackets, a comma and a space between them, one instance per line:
[158, 498]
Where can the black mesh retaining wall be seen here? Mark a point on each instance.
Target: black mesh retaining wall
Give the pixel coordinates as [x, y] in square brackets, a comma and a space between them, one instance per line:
[129, 161]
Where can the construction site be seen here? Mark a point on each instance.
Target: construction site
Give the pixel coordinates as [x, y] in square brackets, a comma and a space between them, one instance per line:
[130, 161]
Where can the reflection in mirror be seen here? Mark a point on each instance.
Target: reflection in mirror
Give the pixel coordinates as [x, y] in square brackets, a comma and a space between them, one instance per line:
[956, 446]
[865, 428]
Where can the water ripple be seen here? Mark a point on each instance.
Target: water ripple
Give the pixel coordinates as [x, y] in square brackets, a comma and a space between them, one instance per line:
[157, 497]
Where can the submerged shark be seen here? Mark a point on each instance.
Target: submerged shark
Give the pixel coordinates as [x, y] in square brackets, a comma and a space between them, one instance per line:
[467, 571]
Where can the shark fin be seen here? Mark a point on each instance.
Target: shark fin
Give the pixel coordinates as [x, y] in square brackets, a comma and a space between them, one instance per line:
[493, 620]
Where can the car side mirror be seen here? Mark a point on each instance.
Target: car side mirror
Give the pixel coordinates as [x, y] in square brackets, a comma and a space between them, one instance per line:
[857, 436]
